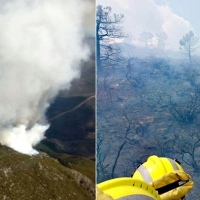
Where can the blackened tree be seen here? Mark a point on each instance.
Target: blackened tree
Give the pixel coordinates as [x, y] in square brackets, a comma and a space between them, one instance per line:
[188, 44]
[107, 30]
[145, 37]
[162, 37]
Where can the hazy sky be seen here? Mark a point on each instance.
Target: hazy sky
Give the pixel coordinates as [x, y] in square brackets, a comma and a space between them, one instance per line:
[175, 17]
[189, 10]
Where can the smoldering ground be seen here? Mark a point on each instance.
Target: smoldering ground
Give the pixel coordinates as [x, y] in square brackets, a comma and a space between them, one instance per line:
[40, 53]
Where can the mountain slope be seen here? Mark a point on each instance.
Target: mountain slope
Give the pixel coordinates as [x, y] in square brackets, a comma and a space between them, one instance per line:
[36, 177]
[72, 122]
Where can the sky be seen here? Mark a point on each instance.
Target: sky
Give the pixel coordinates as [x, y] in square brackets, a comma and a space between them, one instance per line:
[174, 17]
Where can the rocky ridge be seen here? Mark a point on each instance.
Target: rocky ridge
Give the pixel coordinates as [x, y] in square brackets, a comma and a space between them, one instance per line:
[26, 177]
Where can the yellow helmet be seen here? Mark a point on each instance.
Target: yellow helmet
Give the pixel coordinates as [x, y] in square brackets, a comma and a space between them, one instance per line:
[166, 176]
[155, 167]
[126, 188]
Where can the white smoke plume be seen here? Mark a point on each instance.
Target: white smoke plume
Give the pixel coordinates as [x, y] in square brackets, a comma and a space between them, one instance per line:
[40, 53]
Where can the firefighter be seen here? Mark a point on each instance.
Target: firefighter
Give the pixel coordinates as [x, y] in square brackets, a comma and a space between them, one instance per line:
[158, 178]
[166, 176]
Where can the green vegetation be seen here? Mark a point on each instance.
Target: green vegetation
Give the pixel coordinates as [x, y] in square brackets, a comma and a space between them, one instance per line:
[80, 164]
[40, 177]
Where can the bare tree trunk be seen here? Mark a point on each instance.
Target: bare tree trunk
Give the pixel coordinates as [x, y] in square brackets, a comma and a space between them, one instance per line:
[98, 61]
[190, 57]
[116, 159]
[98, 49]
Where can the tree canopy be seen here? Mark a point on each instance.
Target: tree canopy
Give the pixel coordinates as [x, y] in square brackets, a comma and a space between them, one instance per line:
[188, 44]
[107, 30]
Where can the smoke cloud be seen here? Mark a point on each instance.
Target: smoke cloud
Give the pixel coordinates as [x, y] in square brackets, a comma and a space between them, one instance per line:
[150, 17]
[40, 53]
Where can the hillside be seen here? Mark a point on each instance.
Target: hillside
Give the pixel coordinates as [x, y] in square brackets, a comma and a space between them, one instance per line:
[40, 177]
[65, 168]
[74, 132]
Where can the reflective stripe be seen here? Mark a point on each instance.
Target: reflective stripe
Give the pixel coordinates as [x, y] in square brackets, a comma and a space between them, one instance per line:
[173, 164]
[136, 197]
[145, 173]
[147, 176]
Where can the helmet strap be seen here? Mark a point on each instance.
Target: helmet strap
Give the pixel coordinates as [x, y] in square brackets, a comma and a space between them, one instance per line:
[171, 186]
